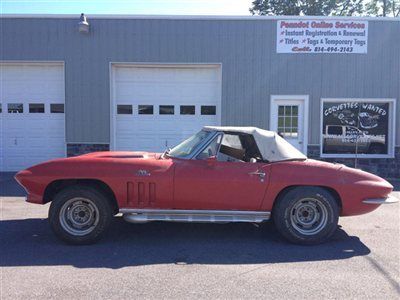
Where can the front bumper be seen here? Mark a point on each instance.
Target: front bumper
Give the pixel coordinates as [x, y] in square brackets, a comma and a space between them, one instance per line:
[378, 201]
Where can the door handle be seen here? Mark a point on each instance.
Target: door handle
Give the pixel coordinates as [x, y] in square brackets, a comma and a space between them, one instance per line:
[259, 173]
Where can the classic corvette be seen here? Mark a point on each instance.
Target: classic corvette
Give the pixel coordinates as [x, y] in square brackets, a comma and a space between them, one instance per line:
[220, 174]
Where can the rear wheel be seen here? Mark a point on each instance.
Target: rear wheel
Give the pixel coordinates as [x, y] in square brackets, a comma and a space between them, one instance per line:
[80, 215]
[306, 215]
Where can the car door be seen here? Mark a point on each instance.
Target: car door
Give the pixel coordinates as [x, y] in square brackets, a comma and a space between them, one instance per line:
[216, 185]
[224, 184]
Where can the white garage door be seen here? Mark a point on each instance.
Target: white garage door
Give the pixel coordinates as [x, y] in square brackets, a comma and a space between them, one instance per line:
[157, 107]
[32, 114]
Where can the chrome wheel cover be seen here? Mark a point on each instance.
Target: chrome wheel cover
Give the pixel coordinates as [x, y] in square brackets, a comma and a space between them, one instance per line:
[79, 216]
[308, 216]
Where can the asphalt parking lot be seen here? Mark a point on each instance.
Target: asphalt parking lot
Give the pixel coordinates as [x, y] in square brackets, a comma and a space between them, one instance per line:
[171, 260]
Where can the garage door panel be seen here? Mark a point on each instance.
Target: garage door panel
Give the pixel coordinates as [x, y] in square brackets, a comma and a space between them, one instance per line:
[194, 86]
[51, 143]
[14, 163]
[29, 138]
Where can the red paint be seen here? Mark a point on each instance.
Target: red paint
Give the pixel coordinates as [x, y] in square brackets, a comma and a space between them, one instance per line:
[194, 184]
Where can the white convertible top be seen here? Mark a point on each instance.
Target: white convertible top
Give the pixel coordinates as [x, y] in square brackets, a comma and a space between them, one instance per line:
[271, 145]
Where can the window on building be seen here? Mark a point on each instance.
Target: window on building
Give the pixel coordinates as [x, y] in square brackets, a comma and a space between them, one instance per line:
[362, 127]
[208, 110]
[35, 108]
[145, 109]
[166, 110]
[124, 109]
[15, 108]
[288, 118]
[188, 110]
[57, 108]
[1, 110]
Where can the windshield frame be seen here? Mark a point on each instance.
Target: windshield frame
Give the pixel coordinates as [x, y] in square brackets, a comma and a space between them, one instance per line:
[198, 148]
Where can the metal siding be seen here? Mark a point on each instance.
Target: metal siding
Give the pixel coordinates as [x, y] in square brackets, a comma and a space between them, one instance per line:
[252, 71]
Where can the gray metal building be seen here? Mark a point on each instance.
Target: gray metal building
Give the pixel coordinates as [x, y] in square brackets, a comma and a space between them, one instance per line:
[146, 82]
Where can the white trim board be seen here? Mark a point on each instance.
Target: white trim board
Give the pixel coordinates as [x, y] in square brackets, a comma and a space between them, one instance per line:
[391, 129]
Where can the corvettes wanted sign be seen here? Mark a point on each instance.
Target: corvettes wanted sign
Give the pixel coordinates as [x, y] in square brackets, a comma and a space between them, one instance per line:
[321, 36]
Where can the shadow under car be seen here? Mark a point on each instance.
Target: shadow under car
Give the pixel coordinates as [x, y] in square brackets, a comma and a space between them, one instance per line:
[30, 242]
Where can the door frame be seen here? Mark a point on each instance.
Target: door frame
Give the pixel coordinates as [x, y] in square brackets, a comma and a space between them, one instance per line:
[289, 98]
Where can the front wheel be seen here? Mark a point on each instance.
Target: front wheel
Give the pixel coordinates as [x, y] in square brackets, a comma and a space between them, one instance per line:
[306, 215]
[80, 215]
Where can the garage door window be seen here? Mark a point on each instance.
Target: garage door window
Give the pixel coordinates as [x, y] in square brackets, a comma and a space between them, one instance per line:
[166, 110]
[208, 110]
[124, 109]
[57, 108]
[36, 108]
[15, 108]
[188, 109]
[145, 109]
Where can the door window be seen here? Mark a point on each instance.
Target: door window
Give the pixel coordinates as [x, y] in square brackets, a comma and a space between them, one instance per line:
[57, 108]
[188, 109]
[239, 148]
[288, 117]
[15, 108]
[211, 149]
[166, 110]
[36, 108]
[124, 109]
[208, 110]
[145, 109]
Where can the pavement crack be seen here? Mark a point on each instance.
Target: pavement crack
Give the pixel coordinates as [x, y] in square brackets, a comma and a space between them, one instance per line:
[377, 266]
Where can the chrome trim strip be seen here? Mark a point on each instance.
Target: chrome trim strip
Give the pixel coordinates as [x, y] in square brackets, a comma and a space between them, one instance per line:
[192, 212]
[388, 200]
[201, 216]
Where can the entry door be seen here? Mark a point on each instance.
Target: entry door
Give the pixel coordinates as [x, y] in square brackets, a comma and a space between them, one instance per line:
[216, 185]
[288, 119]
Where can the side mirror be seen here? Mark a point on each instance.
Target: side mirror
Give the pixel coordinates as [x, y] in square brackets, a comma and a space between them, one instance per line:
[211, 160]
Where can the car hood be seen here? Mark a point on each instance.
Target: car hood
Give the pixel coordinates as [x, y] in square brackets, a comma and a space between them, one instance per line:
[119, 155]
[100, 160]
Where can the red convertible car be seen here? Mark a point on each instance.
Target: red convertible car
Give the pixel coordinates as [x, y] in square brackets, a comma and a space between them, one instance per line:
[220, 174]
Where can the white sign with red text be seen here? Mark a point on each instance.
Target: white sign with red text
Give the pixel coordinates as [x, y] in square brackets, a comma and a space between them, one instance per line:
[321, 36]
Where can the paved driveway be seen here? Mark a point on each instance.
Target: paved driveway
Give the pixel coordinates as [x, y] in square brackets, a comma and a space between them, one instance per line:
[171, 260]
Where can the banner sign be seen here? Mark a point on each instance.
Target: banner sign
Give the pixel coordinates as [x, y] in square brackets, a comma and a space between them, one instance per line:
[355, 127]
[321, 36]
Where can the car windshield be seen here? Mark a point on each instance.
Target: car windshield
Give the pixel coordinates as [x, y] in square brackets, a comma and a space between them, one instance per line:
[188, 146]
